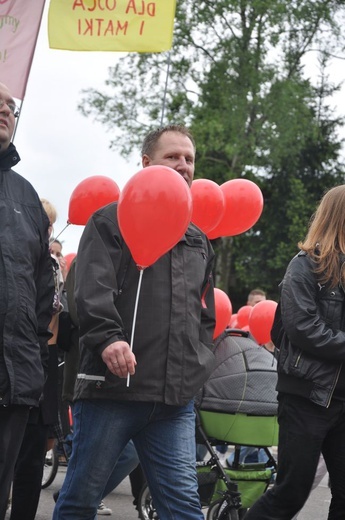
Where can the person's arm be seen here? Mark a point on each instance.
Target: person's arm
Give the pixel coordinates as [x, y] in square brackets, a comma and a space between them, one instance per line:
[305, 326]
[99, 257]
[208, 319]
[70, 294]
[44, 297]
[98, 261]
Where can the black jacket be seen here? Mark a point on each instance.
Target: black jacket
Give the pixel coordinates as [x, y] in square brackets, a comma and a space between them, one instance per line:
[312, 353]
[173, 334]
[27, 287]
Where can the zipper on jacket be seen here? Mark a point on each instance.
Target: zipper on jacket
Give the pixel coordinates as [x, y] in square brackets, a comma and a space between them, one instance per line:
[298, 360]
[335, 384]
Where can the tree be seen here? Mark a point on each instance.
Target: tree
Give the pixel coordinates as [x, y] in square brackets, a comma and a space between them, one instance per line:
[237, 78]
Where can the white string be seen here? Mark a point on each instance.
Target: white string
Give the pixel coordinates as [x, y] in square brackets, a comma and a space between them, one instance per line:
[135, 317]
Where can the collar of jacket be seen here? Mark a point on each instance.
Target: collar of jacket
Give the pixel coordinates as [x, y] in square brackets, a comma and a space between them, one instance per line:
[9, 158]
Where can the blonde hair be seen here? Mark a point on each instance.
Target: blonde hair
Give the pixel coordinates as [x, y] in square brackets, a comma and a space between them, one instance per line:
[325, 239]
[50, 210]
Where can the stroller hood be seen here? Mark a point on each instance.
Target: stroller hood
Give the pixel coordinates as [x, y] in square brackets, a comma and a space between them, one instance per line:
[244, 378]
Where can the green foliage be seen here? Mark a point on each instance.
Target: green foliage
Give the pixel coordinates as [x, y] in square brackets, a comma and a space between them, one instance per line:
[237, 78]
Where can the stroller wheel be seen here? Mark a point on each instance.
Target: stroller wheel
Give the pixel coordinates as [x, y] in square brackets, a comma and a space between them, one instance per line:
[220, 510]
[146, 508]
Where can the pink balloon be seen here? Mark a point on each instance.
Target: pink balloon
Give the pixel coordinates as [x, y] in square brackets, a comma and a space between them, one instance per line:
[208, 204]
[243, 207]
[261, 320]
[223, 311]
[154, 211]
[243, 316]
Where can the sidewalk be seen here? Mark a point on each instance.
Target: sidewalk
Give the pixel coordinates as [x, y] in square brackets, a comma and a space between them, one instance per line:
[120, 501]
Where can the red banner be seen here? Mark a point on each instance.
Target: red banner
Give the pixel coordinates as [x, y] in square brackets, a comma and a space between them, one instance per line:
[19, 25]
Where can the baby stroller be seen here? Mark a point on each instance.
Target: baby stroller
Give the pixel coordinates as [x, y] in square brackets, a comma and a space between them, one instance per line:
[236, 406]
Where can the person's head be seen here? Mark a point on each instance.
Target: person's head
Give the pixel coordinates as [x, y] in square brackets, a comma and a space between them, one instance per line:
[56, 248]
[171, 146]
[51, 212]
[8, 114]
[325, 239]
[255, 296]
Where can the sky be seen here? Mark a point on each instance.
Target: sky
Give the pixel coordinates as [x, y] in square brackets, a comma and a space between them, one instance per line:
[58, 146]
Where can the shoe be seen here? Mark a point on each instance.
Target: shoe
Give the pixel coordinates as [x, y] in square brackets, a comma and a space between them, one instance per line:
[103, 509]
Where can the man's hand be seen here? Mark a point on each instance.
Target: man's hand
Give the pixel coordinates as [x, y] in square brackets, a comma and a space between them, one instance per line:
[119, 359]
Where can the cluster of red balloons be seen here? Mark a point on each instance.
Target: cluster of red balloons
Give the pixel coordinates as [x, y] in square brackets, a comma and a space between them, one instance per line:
[226, 210]
[258, 320]
[156, 206]
[154, 211]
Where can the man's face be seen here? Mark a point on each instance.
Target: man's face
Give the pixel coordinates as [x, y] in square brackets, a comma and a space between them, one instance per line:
[256, 298]
[7, 118]
[175, 150]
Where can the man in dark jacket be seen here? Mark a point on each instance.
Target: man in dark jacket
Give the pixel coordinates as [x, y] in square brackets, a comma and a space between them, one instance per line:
[26, 295]
[172, 355]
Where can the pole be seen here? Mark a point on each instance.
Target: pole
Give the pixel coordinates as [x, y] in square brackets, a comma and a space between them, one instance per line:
[29, 69]
[166, 88]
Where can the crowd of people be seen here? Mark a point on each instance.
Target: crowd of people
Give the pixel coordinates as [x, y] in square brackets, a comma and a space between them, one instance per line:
[144, 425]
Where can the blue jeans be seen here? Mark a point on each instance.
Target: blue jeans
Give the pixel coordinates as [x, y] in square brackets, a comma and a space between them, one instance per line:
[164, 437]
[126, 463]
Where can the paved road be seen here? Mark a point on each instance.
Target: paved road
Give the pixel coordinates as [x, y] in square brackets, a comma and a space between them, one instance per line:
[120, 501]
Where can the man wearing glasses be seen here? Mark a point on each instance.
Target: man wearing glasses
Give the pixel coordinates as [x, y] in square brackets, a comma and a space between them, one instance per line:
[26, 296]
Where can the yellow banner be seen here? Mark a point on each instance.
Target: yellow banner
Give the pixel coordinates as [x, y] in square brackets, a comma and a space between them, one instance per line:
[111, 25]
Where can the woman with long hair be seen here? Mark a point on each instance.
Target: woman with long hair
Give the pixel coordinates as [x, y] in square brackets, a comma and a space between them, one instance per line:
[311, 374]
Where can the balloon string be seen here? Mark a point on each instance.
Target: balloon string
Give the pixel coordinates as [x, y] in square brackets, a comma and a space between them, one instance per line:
[135, 317]
[68, 224]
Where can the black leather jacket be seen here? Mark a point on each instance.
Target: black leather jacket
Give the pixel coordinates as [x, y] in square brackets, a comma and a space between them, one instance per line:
[311, 356]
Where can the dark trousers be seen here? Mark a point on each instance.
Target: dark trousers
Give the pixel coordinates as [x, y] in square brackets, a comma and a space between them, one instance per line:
[137, 480]
[13, 420]
[28, 472]
[305, 430]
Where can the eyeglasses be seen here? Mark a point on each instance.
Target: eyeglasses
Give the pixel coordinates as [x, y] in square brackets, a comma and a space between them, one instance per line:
[12, 106]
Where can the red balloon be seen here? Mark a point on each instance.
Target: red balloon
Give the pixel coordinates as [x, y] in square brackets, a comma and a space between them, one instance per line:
[90, 195]
[154, 211]
[69, 259]
[223, 311]
[243, 315]
[243, 207]
[261, 320]
[208, 204]
[233, 321]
